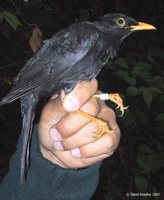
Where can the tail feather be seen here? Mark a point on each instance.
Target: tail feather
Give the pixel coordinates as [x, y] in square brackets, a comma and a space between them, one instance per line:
[28, 105]
[10, 97]
[1, 103]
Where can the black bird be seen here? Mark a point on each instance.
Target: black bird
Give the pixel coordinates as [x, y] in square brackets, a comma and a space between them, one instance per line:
[74, 54]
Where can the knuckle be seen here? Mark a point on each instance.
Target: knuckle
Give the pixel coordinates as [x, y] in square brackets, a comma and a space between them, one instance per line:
[84, 152]
[66, 145]
[92, 107]
[110, 144]
[118, 132]
[95, 83]
[113, 115]
[112, 141]
[64, 127]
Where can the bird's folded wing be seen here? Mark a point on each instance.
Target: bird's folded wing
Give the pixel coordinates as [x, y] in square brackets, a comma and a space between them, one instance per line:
[62, 51]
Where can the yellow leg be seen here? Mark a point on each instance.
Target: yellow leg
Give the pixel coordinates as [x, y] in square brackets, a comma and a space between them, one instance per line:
[104, 128]
[102, 124]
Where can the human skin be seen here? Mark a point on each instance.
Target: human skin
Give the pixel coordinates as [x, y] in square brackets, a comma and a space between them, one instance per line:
[69, 139]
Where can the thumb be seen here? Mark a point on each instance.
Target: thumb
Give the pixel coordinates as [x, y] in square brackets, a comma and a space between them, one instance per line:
[79, 96]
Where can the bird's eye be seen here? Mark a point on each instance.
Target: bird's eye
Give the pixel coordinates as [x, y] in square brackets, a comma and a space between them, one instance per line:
[120, 22]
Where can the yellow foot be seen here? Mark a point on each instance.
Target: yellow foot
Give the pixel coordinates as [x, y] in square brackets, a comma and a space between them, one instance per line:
[102, 124]
[114, 97]
[103, 128]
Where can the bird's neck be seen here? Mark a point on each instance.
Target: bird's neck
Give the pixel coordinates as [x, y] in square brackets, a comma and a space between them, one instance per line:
[112, 42]
[103, 28]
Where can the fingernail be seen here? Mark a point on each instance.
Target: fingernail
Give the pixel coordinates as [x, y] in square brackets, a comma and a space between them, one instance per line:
[71, 104]
[54, 96]
[58, 146]
[76, 153]
[55, 135]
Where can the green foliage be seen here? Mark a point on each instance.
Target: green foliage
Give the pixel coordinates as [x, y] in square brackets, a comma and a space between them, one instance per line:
[141, 81]
[143, 84]
[147, 95]
[143, 149]
[149, 162]
[141, 183]
[11, 19]
[160, 117]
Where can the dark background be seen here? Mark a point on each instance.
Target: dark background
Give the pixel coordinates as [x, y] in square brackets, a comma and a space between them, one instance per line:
[136, 73]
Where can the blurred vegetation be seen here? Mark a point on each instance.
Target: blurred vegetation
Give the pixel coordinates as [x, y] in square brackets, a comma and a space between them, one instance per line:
[137, 74]
[140, 157]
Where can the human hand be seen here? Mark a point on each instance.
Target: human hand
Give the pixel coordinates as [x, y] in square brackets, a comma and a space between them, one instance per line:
[67, 138]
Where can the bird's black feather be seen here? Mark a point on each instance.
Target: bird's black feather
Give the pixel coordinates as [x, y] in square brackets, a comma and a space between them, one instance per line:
[28, 104]
[74, 54]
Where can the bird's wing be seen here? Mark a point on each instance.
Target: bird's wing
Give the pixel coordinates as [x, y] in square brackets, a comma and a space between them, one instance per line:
[59, 53]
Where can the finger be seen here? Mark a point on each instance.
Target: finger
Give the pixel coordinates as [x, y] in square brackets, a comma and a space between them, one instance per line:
[51, 113]
[81, 93]
[85, 162]
[65, 159]
[55, 108]
[107, 114]
[87, 133]
[104, 145]
[54, 111]
[73, 122]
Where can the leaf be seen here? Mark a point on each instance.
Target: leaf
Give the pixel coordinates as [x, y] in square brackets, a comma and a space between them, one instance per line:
[144, 149]
[160, 117]
[157, 161]
[156, 90]
[11, 19]
[122, 63]
[147, 95]
[141, 183]
[1, 18]
[131, 80]
[142, 116]
[144, 66]
[122, 73]
[133, 91]
[161, 127]
[161, 99]
[146, 76]
[151, 59]
[136, 71]
[36, 39]
[144, 162]
[158, 80]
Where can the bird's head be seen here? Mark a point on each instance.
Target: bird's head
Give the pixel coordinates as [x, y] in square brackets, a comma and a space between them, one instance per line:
[121, 26]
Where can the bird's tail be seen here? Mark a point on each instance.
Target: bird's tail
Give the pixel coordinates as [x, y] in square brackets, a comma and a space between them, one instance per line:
[28, 104]
[14, 94]
[2, 102]
[10, 97]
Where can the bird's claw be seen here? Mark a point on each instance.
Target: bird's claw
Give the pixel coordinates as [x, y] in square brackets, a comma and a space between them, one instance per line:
[103, 128]
[103, 125]
[122, 109]
[114, 97]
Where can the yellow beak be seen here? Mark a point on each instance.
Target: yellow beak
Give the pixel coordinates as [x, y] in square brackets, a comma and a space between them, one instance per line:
[142, 26]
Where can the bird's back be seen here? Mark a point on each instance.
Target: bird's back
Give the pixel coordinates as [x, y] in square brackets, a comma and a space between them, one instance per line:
[74, 54]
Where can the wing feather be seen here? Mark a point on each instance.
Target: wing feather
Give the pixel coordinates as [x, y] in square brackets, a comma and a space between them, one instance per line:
[58, 54]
